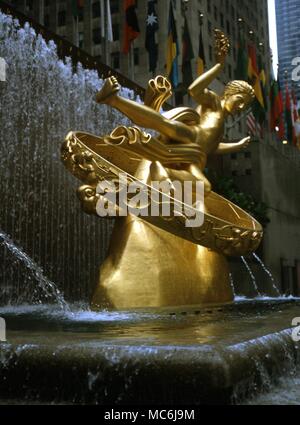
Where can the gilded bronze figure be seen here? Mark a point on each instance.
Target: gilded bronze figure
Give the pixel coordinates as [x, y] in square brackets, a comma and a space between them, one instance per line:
[158, 261]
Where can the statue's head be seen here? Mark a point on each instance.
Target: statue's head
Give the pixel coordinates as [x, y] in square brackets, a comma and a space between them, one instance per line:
[238, 95]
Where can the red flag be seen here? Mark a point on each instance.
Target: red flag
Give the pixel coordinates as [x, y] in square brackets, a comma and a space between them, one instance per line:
[132, 30]
[281, 111]
[294, 115]
[288, 115]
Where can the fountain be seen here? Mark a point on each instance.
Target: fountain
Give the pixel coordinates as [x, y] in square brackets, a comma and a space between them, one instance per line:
[58, 350]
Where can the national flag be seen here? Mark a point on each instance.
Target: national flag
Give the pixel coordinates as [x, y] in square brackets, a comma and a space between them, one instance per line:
[259, 106]
[295, 106]
[151, 29]
[76, 6]
[201, 55]
[253, 74]
[288, 115]
[241, 72]
[281, 111]
[276, 112]
[295, 116]
[172, 49]
[263, 81]
[132, 29]
[254, 128]
[187, 56]
[275, 104]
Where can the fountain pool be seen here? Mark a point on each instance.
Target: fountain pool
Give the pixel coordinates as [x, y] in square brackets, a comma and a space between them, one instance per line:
[215, 355]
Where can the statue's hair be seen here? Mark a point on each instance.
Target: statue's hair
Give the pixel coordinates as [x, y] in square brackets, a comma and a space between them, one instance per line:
[240, 87]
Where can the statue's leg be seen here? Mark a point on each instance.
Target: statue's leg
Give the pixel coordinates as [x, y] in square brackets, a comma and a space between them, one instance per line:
[144, 116]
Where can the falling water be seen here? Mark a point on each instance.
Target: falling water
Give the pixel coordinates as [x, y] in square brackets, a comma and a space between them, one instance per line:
[41, 101]
[232, 284]
[251, 275]
[267, 271]
[48, 288]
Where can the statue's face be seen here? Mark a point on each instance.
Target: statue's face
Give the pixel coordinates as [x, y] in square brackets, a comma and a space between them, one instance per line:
[235, 104]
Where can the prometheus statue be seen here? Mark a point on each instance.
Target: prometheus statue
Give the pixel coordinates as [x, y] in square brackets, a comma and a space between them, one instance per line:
[154, 260]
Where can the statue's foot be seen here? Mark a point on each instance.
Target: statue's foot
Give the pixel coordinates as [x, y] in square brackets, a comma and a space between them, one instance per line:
[110, 88]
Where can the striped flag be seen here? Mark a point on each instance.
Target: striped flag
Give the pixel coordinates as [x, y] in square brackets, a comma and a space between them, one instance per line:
[253, 127]
[172, 49]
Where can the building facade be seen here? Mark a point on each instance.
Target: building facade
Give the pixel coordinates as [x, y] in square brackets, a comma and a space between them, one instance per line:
[58, 15]
[231, 16]
[288, 34]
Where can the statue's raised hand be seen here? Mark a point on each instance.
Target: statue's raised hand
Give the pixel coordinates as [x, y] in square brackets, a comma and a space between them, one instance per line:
[222, 46]
[110, 88]
[244, 143]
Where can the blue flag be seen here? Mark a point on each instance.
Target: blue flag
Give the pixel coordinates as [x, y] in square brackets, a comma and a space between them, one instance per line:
[172, 49]
[151, 44]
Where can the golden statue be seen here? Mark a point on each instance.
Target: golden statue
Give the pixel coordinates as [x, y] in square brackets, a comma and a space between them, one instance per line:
[157, 261]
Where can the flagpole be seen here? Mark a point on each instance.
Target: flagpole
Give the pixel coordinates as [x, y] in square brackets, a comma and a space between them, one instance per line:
[42, 12]
[77, 31]
[103, 38]
[131, 55]
[106, 34]
[110, 36]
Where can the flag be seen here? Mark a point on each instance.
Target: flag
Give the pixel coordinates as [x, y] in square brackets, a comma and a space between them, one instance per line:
[276, 112]
[151, 29]
[259, 106]
[132, 30]
[294, 115]
[253, 74]
[263, 81]
[201, 55]
[76, 5]
[275, 103]
[172, 49]
[110, 36]
[187, 56]
[288, 115]
[253, 127]
[241, 72]
[281, 110]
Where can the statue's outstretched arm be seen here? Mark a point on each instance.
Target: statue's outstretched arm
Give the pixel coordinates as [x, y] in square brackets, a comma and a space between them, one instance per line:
[198, 89]
[225, 148]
